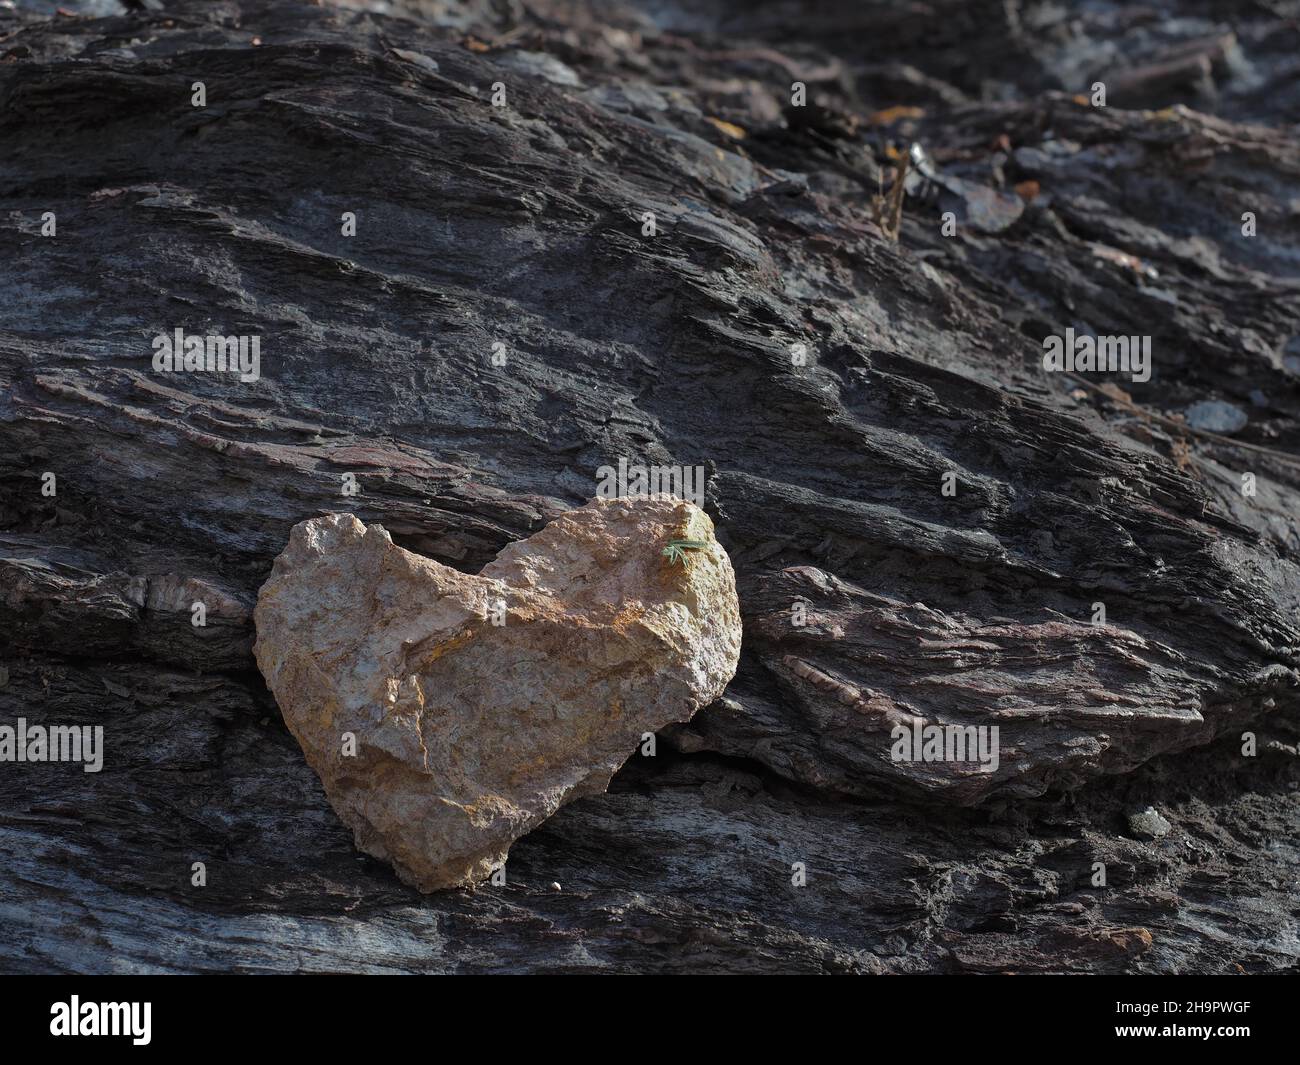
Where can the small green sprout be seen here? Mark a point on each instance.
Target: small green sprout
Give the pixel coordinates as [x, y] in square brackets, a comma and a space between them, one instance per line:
[676, 549]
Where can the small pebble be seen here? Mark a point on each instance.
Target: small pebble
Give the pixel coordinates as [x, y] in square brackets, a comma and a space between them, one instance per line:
[420, 60]
[1148, 824]
[1291, 356]
[1215, 416]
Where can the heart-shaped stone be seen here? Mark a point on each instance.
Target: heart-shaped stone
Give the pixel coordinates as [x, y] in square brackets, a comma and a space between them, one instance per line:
[449, 714]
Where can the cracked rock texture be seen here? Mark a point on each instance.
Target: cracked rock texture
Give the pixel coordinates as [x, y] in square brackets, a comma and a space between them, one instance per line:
[474, 706]
[522, 226]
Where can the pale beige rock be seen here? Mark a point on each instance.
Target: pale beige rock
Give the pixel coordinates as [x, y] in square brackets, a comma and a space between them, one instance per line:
[469, 734]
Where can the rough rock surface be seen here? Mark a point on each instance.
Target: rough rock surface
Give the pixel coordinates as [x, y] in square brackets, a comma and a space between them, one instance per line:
[475, 706]
[521, 226]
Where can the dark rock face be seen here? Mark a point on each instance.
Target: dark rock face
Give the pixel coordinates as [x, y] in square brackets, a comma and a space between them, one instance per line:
[887, 461]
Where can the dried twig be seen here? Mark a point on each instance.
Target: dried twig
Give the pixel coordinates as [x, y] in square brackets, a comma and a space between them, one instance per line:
[887, 208]
[1173, 423]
